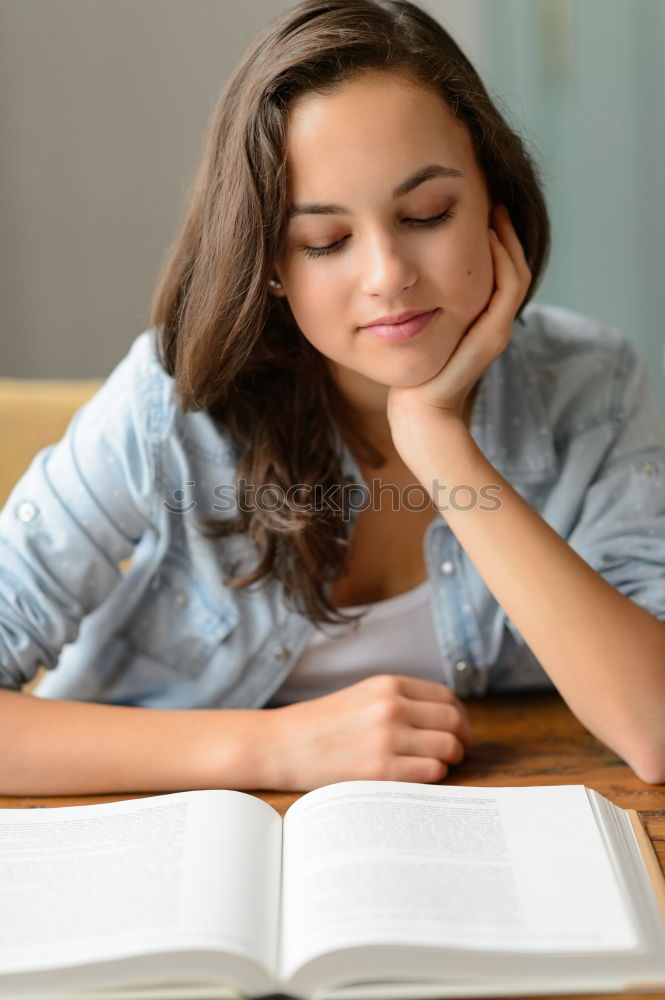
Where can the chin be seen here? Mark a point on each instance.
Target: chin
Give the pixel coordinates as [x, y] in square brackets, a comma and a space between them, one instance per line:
[427, 369]
[411, 376]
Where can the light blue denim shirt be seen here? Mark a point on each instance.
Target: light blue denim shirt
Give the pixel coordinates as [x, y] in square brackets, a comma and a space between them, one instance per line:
[566, 414]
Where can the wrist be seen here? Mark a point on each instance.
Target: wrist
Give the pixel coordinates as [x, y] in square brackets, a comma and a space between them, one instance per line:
[236, 750]
[276, 764]
[443, 450]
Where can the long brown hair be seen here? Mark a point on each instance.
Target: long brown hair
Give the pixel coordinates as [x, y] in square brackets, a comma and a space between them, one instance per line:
[233, 349]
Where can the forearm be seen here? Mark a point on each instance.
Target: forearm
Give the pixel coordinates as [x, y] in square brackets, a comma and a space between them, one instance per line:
[605, 654]
[52, 747]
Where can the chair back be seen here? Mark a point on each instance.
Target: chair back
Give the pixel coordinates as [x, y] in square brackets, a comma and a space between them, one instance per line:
[34, 413]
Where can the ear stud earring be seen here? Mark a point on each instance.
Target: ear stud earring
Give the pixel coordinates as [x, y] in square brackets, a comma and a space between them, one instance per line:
[274, 283]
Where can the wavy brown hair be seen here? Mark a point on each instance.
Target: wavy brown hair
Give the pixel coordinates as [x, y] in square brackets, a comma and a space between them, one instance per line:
[234, 349]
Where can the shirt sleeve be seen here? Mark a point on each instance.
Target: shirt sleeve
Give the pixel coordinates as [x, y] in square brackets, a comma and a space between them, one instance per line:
[81, 507]
[620, 531]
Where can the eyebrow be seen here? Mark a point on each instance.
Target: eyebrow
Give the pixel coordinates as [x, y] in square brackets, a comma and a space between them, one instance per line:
[414, 181]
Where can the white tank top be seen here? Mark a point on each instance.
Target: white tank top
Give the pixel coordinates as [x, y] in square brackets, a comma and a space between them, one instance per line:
[395, 636]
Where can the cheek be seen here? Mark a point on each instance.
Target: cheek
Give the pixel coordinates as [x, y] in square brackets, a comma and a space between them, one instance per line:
[313, 305]
[311, 301]
[318, 288]
[469, 273]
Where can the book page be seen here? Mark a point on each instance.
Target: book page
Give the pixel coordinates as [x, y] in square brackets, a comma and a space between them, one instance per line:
[483, 868]
[178, 871]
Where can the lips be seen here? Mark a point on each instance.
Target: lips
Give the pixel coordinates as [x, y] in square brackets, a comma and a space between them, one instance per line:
[402, 326]
[396, 319]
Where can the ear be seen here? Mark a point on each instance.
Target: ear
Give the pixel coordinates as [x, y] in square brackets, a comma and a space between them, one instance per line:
[276, 288]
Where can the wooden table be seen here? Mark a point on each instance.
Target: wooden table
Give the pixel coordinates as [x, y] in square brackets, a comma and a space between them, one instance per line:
[523, 739]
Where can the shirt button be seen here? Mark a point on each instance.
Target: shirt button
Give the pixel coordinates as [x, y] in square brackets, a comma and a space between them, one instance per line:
[26, 511]
[447, 567]
[181, 599]
[281, 653]
[462, 667]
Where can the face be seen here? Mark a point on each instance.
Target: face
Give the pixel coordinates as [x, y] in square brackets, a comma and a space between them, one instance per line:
[373, 233]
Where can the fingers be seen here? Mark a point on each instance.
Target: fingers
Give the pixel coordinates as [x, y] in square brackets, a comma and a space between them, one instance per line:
[442, 746]
[424, 770]
[441, 718]
[430, 706]
[493, 328]
[420, 690]
[434, 706]
[512, 272]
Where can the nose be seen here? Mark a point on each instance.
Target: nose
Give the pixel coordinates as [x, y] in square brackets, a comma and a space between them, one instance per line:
[386, 268]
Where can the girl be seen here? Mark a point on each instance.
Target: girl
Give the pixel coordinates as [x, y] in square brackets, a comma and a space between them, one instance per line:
[349, 477]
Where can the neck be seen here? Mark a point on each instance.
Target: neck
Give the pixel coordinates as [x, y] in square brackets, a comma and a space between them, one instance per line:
[366, 420]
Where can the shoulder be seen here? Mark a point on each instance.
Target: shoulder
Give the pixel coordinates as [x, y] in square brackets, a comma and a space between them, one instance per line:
[585, 371]
[133, 394]
[151, 397]
[553, 329]
[556, 335]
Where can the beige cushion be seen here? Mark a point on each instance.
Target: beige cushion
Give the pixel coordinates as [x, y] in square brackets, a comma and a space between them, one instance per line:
[33, 414]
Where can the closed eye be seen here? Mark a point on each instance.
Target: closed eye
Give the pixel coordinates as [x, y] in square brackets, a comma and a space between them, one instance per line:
[435, 220]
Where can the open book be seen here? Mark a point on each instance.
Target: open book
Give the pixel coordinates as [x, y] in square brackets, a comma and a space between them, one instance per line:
[365, 889]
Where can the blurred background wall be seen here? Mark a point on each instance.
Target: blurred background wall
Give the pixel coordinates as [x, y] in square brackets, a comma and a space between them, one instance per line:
[103, 107]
